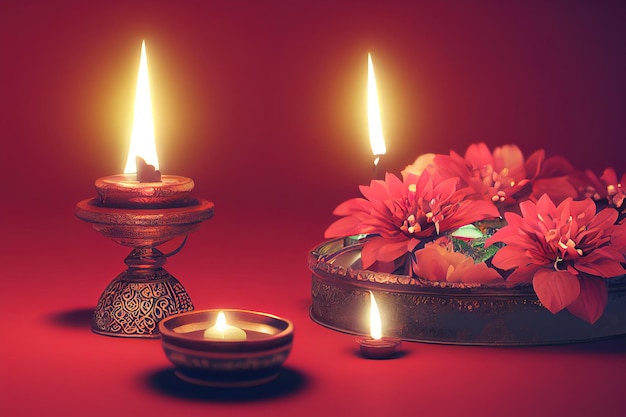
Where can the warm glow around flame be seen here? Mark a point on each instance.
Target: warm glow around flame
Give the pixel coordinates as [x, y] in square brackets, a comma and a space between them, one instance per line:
[376, 330]
[142, 139]
[373, 113]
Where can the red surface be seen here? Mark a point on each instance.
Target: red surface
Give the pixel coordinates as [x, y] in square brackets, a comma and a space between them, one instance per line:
[262, 104]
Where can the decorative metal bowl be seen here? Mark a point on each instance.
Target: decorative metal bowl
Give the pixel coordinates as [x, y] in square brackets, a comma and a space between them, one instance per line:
[440, 312]
[124, 191]
[226, 363]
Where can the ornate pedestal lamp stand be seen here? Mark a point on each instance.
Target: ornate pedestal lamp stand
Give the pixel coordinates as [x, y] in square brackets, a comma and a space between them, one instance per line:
[137, 299]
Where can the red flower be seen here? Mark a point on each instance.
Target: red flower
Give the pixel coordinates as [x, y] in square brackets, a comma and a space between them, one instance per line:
[606, 190]
[437, 261]
[502, 177]
[565, 251]
[404, 213]
[615, 191]
[558, 179]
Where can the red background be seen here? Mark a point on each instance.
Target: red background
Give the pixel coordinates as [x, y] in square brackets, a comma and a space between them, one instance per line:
[263, 105]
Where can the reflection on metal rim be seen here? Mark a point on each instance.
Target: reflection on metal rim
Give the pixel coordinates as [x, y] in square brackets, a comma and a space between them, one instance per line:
[420, 310]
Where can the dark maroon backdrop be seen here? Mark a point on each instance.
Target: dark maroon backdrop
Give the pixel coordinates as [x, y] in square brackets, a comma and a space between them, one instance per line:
[263, 104]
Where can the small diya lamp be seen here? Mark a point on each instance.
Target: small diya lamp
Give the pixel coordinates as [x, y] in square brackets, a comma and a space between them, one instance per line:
[376, 346]
[142, 209]
[226, 348]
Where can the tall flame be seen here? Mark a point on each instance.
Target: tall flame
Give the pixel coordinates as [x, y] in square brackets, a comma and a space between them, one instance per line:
[220, 323]
[142, 139]
[376, 328]
[373, 113]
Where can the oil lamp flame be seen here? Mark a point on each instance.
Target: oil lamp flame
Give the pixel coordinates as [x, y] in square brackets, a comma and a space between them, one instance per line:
[375, 322]
[142, 139]
[376, 346]
[373, 114]
[220, 323]
[223, 331]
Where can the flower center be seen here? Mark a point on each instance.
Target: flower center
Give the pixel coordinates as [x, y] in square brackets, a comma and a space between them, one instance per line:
[499, 182]
[427, 212]
[557, 263]
[616, 195]
[561, 242]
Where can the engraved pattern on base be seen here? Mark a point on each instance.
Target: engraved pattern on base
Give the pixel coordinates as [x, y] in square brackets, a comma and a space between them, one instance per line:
[134, 308]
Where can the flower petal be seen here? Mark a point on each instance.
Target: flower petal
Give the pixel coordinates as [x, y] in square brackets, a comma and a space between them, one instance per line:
[558, 188]
[592, 300]
[430, 265]
[556, 289]
[603, 267]
[534, 162]
[478, 273]
[523, 274]
[382, 249]
[510, 257]
[346, 226]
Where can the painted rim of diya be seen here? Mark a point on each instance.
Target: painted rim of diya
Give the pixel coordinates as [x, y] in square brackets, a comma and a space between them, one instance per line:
[226, 363]
[184, 329]
[125, 191]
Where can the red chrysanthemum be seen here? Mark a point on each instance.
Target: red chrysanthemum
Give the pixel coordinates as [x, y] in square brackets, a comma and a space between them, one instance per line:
[565, 251]
[403, 213]
[615, 190]
[503, 177]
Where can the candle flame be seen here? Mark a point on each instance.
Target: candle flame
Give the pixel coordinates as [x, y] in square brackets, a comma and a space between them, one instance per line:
[220, 323]
[373, 113]
[142, 139]
[376, 330]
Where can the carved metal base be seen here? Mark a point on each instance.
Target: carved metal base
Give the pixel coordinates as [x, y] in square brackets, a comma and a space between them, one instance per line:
[136, 301]
[470, 314]
[139, 298]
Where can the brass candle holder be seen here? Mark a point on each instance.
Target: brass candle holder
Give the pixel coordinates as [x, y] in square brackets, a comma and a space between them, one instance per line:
[134, 303]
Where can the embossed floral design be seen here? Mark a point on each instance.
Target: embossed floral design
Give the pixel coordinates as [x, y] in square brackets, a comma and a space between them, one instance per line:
[565, 251]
